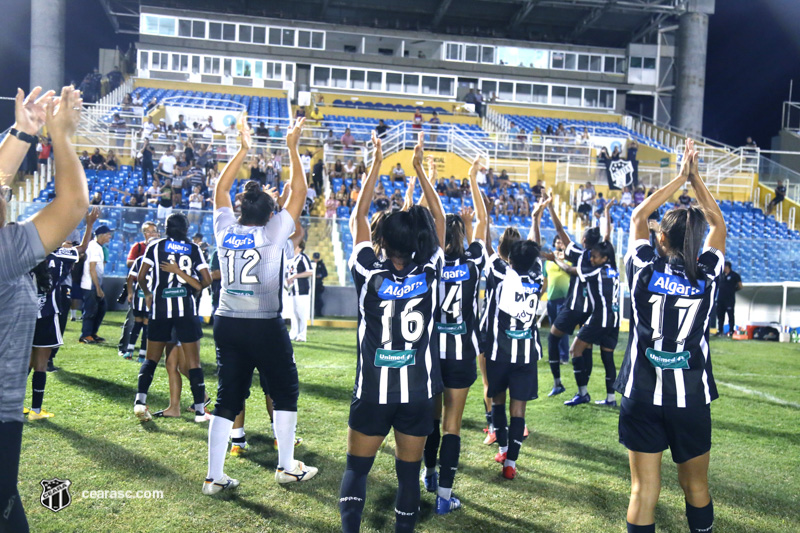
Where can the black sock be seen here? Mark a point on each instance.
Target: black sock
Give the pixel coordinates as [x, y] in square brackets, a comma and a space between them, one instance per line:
[500, 423]
[641, 529]
[406, 504]
[448, 460]
[701, 519]
[553, 356]
[38, 383]
[432, 446]
[581, 379]
[146, 375]
[587, 363]
[611, 370]
[515, 432]
[198, 386]
[353, 492]
[488, 418]
[137, 327]
[143, 346]
[238, 440]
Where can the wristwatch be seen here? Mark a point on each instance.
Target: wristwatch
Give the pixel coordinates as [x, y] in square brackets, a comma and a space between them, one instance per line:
[24, 137]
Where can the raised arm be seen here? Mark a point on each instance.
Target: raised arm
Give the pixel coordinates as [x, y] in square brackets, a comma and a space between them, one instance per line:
[563, 235]
[56, 220]
[480, 208]
[432, 199]
[29, 115]
[718, 232]
[640, 215]
[222, 192]
[488, 239]
[536, 218]
[297, 177]
[609, 225]
[409, 199]
[359, 222]
[91, 218]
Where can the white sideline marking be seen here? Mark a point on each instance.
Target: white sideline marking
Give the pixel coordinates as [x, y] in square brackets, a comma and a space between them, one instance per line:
[764, 395]
[755, 375]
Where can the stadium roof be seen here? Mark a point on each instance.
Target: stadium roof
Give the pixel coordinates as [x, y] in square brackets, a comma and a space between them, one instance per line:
[613, 23]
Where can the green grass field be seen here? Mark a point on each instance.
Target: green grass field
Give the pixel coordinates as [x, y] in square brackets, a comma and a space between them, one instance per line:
[573, 473]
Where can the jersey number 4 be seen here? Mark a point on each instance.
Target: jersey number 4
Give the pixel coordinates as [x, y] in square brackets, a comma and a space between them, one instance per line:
[252, 257]
[452, 301]
[687, 313]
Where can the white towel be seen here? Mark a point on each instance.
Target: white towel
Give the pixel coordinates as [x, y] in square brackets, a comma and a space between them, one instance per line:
[513, 299]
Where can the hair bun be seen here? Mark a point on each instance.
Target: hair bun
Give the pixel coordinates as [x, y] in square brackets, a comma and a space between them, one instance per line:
[252, 186]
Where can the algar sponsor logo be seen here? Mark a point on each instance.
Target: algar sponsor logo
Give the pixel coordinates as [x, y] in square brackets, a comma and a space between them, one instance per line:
[238, 242]
[455, 273]
[177, 247]
[412, 286]
[674, 285]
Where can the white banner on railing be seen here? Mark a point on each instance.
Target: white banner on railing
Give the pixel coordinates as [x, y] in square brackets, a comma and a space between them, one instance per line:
[222, 117]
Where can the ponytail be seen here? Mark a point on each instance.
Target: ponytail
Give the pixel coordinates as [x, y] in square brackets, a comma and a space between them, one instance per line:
[257, 206]
[454, 238]
[606, 249]
[410, 235]
[684, 229]
[509, 237]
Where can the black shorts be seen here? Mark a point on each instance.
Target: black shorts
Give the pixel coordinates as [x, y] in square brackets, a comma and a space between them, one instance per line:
[458, 374]
[77, 292]
[648, 428]
[567, 319]
[374, 419]
[244, 344]
[47, 333]
[187, 329]
[140, 314]
[520, 380]
[603, 337]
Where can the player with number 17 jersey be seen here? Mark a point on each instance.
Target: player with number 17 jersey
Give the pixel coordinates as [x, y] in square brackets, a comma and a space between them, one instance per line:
[397, 350]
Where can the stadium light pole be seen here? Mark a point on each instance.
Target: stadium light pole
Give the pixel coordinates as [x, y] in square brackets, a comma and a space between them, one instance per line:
[48, 26]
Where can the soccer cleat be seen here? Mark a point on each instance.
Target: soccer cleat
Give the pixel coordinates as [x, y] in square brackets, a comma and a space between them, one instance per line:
[509, 472]
[500, 457]
[445, 506]
[127, 355]
[557, 389]
[99, 339]
[300, 472]
[140, 360]
[490, 439]
[237, 450]
[205, 417]
[431, 482]
[142, 412]
[213, 486]
[87, 340]
[33, 415]
[578, 399]
[51, 367]
[606, 402]
[25, 411]
[120, 353]
[72, 319]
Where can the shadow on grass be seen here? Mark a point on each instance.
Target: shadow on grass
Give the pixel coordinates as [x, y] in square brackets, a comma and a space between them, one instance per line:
[749, 431]
[336, 393]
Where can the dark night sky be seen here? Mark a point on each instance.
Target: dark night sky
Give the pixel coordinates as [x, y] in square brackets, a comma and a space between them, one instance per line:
[753, 52]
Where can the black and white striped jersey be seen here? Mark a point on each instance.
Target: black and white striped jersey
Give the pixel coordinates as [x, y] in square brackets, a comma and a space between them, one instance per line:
[59, 264]
[513, 339]
[458, 304]
[578, 295]
[396, 348]
[602, 284]
[301, 286]
[172, 298]
[137, 300]
[667, 361]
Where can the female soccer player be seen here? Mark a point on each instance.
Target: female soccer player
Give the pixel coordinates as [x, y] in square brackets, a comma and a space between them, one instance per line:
[599, 273]
[458, 342]
[665, 378]
[576, 310]
[138, 307]
[179, 272]
[248, 328]
[510, 330]
[397, 373]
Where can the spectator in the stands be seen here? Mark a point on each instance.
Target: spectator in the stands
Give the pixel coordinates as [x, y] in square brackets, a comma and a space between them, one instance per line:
[162, 129]
[44, 148]
[262, 133]
[361, 169]
[315, 117]
[481, 177]
[85, 159]
[511, 207]
[343, 196]
[380, 129]
[350, 169]
[616, 154]
[145, 158]
[397, 199]
[300, 112]
[305, 162]
[750, 143]
[587, 199]
[165, 199]
[256, 172]
[338, 169]
[137, 100]
[631, 149]
[275, 133]
[330, 140]
[523, 207]
[441, 188]
[180, 126]
[538, 189]
[435, 121]
[199, 240]
[320, 100]
[196, 202]
[166, 164]
[600, 202]
[398, 174]
[417, 122]
[330, 205]
[115, 78]
[464, 189]
[119, 127]
[381, 200]
[452, 190]
[355, 190]
[780, 196]
[111, 161]
[317, 175]
[96, 199]
[684, 199]
[148, 128]
[503, 180]
[638, 196]
[490, 177]
[470, 98]
[152, 104]
[97, 161]
[347, 140]
[188, 151]
[627, 197]
[479, 103]
[512, 133]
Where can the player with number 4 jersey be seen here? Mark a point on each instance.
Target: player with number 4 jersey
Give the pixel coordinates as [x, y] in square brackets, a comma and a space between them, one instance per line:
[666, 378]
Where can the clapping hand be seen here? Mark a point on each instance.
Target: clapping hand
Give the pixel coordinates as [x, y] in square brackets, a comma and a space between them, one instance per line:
[30, 112]
[62, 114]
